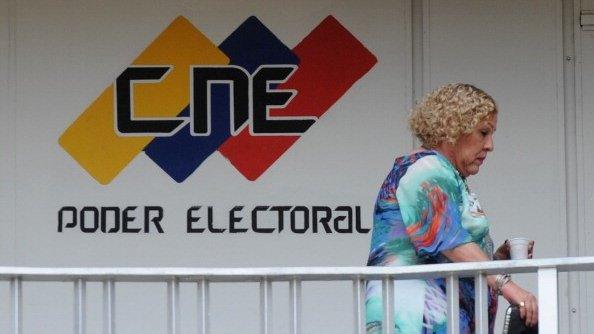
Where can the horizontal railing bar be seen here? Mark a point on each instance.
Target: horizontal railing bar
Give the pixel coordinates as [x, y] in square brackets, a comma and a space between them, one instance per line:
[289, 273]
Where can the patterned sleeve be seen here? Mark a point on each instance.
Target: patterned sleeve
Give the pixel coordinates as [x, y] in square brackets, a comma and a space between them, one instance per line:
[429, 198]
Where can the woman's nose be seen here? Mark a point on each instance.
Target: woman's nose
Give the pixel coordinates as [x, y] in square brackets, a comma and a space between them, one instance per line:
[489, 146]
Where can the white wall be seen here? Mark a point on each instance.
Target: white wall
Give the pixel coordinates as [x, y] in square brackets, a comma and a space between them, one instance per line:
[510, 49]
[86, 55]
[585, 112]
[68, 52]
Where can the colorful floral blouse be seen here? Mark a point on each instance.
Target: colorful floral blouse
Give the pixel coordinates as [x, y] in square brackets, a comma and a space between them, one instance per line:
[423, 208]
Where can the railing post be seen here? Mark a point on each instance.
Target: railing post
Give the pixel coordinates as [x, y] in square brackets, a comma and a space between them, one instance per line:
[109, 307]
[453, 296]
[80, 301]
[359, 305]
[548, 317]
[295, 305]
[266, 306]
[481, 304]
[16, 304]
[388, 305]
[203, 306]
[173, 306]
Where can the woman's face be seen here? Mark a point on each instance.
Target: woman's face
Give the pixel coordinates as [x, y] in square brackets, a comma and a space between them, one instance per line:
[470, 151]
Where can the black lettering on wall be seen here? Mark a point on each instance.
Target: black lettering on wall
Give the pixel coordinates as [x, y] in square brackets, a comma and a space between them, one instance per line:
[154, 219]
[281, 215]
[263, 98]
[191, 219]
[125, 121]
[323, 221]
[305, 214]
[358, 226]
[233, 220]
[339, 219]
[84, 217]
[115, 211]
[255, 227]
[238, 80]
[71, 212]
[128, 217]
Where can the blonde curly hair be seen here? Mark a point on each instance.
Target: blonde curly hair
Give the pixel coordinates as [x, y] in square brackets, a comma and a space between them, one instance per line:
[449, 112]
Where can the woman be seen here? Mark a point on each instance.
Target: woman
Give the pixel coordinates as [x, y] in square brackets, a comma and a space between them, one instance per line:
[425, 213]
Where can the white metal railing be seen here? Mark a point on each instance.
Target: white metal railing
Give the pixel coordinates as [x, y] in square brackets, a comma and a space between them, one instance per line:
[546, 269]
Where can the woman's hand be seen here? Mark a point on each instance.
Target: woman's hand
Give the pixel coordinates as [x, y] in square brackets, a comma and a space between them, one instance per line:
[511, 291]
[527, 302]
[503, 253]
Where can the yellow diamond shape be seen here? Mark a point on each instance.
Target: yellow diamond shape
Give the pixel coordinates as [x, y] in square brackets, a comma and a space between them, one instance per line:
[91, 139]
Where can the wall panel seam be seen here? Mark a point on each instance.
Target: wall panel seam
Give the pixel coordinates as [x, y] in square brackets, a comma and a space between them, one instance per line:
[570, 158]
[581, 204]
[409, 86]
[426, 69]
[11, 107]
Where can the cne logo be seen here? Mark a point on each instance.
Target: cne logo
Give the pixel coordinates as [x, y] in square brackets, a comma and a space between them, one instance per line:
[183, 98]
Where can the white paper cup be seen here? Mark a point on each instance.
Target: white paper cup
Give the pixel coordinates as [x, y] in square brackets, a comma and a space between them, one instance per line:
[518, 248]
